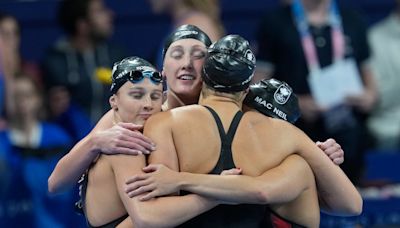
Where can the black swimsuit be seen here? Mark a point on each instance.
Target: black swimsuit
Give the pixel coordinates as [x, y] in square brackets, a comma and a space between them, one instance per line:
[243, 215]
[83, 183]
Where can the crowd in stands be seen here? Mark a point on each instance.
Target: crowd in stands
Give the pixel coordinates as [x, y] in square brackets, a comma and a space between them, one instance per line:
[49, 105]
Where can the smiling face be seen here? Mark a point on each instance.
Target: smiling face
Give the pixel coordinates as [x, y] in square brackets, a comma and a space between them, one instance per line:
[183, 65]
[136, 102]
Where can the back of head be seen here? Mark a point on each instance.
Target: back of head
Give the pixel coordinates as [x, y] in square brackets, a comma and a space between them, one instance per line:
[70, 11]
[186, 32]
[122, 68]
[275, 99]
[230, 64]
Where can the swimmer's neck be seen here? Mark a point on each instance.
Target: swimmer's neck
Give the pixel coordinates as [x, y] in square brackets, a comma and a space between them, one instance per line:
[174, 101]
[215, 100]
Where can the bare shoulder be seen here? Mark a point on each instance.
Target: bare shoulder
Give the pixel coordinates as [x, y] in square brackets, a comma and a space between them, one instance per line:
[257, 118]
[158, 119]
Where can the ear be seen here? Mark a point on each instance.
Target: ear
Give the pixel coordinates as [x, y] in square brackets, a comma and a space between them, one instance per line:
[113, 102]
[164, 76]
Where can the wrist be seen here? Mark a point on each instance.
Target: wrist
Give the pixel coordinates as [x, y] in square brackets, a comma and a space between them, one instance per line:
[94, 149]
[183, 181]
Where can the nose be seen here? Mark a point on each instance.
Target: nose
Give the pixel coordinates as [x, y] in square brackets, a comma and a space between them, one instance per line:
[188, 62]
[148, 104]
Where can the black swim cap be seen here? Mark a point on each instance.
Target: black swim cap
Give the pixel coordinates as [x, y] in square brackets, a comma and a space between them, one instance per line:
[186, 32]
[275, 99]
[230, 64]
[121, 71]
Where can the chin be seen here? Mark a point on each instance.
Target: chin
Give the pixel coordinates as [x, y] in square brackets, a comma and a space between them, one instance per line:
[140, 121]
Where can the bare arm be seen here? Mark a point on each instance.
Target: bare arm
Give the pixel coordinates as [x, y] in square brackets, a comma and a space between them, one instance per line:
[337, 192]
[104, 138]
[239, 189]
[160, 212]
[278, 185]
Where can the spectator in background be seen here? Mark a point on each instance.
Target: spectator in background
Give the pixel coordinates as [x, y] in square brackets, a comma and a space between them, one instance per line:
[204, 14]
[310, 35]
[75, 66]
[11, 62]
[32, 148]
[384, 122]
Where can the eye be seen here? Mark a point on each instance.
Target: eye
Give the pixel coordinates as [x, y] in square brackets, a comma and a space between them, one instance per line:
[155, 96]
[136, 95]
[198, 54]
[176, 54]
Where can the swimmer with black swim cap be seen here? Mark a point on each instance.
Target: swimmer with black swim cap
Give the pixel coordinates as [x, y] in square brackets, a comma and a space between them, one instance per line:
[186, 32]
[133, 69]
[273, 98]
[183, 58]
[230, 65]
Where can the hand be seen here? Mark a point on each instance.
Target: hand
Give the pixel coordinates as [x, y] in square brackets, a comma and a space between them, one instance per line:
[333, 150]
[233, 171]
[158, 180]
[123, 138]
[310, 110]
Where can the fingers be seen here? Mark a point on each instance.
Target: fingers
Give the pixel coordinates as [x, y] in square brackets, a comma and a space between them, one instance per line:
[337, 157]
[135, 178]
[328, 143]
[133, 140]
[148, 196]
[338, 161]
[139, 187]
[333, 150]
[131, 126]
[234, 171]
[128, 151]
[139, 138]
[151, 168]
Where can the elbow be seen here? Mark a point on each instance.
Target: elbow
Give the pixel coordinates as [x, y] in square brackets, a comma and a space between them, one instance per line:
[356, 207]
[353, 207]
[261, 195]
[52, 187]
[144, 220]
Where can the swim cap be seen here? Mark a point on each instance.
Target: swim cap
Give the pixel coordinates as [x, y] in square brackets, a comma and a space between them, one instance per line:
[275, 99]
[230, 64]
[186, 32]
[133, 69]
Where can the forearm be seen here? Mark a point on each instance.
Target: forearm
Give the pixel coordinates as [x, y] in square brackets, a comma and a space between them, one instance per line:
[278, 185]
[227, 188]
[70, 168]
[337, 193]
[170, 211]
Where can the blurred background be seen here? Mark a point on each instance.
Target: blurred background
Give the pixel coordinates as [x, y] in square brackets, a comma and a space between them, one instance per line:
[54, 73]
